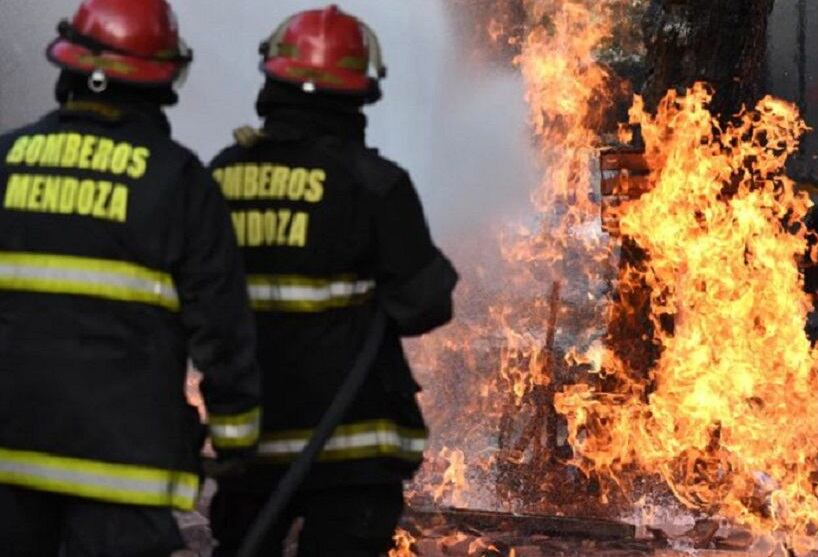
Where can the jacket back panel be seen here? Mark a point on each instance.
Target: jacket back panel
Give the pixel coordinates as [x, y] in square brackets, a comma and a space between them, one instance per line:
[98, 376]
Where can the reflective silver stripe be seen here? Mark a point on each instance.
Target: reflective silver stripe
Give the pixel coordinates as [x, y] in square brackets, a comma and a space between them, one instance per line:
[235, 430]
[60, 274]
[119, 483]
[271, 292]
[374, 439]
[156, 288]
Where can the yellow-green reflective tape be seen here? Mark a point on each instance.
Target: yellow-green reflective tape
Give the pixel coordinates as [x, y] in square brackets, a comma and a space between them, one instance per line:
[102, 481]
[83, 276]
[235, 431]
[353, 63]
[314, 74]
[372, 439]
[288, 293]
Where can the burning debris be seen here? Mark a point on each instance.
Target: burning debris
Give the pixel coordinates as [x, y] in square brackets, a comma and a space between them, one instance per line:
[660, 312]
[721, 229]
[507, 354]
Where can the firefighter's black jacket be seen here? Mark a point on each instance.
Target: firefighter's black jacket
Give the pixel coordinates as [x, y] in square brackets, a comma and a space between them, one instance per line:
[329, 229]
[117, 262]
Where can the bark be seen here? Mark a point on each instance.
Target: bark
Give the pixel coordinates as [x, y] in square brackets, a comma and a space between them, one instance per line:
[722, 42]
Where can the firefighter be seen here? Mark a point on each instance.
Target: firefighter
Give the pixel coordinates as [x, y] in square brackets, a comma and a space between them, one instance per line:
[117, 263]
[329, 230]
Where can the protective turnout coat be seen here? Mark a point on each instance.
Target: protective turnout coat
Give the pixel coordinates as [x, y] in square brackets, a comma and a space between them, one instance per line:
[117, 261]
[330, 229]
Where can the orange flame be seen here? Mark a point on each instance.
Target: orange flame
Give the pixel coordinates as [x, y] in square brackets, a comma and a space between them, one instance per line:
[454, 483]
[496, 356]
[403, 544]
[727, 415]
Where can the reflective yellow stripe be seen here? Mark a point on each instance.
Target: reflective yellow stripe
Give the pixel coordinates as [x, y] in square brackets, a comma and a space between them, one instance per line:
[301, 294]
[102, 481]
[83, 276]
[235, 431]
[371, 439]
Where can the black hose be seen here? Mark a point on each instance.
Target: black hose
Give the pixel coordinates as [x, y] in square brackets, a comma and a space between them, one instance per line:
[299, 469]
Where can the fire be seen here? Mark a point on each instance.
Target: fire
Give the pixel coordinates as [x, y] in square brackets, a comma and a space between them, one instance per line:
[726, 416]
[454, 483]
[403, 544]
[723, 410]
[504, 355]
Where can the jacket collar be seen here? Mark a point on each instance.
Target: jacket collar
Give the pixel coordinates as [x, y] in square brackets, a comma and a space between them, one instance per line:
[289, 122]
[115, 113]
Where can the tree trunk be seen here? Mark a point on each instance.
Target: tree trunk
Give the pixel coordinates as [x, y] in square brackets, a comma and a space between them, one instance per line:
[722, 42]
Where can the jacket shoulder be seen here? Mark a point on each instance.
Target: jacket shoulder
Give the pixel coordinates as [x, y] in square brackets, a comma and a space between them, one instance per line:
[226, 156]
[376, 173]
[26, 129]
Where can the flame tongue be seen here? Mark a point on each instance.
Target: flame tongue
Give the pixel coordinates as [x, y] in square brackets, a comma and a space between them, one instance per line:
[726, 416]
[731, 399]
[503, 352]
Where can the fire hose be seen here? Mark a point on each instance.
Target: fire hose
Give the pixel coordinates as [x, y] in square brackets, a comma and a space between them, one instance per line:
[296, 474]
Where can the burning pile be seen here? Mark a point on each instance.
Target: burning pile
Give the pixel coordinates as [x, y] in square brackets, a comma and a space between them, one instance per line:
[504, 357]
[724, 412]
[727, 416]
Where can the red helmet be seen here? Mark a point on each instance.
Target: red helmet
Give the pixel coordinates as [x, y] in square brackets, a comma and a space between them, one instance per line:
[131, 41]
[324, 50]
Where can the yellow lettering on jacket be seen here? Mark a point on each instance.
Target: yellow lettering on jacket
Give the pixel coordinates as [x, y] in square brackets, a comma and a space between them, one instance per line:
[18, 151]
[298, 230]
[239, 224]
[264, 224]
[71, 150]
[79, 151]
[271, 182]
[53, 149]
[89, 143]
[35, 149]
[139, 162]
[102, 158]
[315, 186]
[278, 182]
[268, 228]
[250, 190]
[66, 195]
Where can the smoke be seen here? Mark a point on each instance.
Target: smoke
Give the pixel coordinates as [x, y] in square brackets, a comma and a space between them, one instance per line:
[460, 129]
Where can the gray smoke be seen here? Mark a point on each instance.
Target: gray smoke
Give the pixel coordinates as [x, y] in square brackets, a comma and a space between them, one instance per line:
[458, 128]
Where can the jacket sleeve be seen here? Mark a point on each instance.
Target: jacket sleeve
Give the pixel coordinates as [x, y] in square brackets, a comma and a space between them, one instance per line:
[415, 280]
[216, 315]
